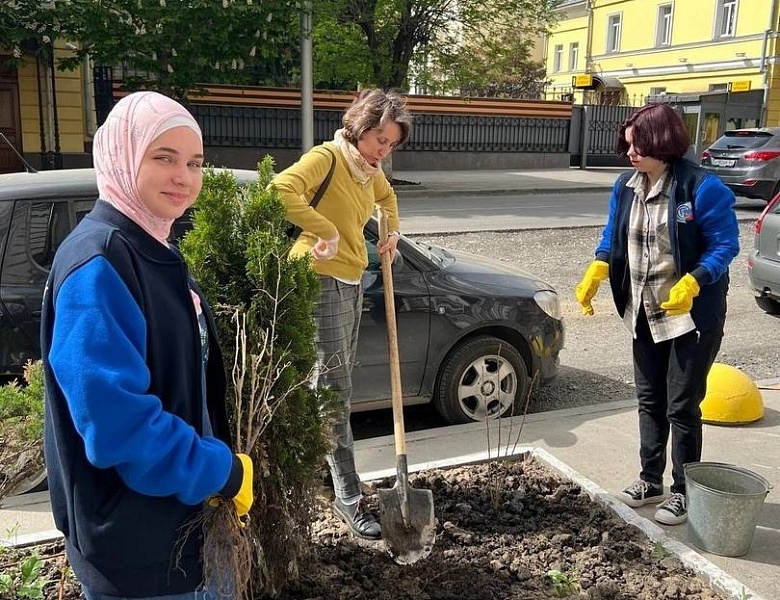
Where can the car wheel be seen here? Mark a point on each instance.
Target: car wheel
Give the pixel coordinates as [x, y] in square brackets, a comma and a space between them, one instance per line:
[483, 378]
[768, 305]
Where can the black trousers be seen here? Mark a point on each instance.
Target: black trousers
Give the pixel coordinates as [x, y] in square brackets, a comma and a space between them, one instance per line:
[671, 381]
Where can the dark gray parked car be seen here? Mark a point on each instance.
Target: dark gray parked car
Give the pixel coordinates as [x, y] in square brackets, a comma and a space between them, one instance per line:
[747, 160]
[764, 260]
[472, 332]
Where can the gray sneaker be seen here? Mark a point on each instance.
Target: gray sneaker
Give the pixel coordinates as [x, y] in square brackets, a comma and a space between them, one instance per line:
[673, 511]
[640, 493]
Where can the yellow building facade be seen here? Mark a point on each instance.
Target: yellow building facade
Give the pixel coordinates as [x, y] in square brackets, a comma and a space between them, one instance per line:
[634, 51]
[46, 113]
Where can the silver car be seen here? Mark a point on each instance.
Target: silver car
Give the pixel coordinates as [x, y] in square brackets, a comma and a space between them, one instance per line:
[764, 261]
[747, 160]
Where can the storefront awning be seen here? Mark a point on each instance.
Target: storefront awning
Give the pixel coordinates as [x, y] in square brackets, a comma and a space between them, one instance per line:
[607, 83]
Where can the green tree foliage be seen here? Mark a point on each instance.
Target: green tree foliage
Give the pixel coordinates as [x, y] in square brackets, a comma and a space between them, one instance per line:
[394, 32]
[27, 28]
[166, 45]
[238, 252]
[341, 58]
[494, 67]
[179, 43]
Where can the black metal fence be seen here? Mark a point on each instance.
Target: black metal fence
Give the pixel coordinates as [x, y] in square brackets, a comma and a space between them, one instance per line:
[470, 133]
[256, 126]
[253, 126]
[603, 124]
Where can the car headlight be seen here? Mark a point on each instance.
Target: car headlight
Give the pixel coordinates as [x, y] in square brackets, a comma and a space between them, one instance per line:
[548, 302]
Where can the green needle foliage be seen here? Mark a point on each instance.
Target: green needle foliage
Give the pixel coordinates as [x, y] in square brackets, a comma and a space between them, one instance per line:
[238, 253]
[25, 403]
[21, 428]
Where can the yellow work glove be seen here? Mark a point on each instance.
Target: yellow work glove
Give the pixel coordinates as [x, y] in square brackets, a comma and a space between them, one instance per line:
[681, 296]
[246, 494]
[596, 272]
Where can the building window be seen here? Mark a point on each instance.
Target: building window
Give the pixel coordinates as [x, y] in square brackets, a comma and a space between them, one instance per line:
[718, 87]
[726, 22]
[574, 55]
[663, 33]
[557, 58]
[613, 33]
[657, 91]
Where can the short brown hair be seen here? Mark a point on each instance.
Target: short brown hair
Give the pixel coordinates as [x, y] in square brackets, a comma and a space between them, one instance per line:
[374, 109]
[657, 132]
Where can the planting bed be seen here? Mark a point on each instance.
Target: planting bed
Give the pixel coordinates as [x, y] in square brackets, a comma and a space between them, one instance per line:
[510, 529]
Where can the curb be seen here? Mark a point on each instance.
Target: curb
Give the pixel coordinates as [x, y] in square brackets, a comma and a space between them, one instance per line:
[33, 539]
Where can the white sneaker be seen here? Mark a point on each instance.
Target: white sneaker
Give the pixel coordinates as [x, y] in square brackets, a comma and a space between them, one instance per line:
[673, 511]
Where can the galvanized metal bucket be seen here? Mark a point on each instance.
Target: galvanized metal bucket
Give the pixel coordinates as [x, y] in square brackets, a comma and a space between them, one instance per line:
[724, 505]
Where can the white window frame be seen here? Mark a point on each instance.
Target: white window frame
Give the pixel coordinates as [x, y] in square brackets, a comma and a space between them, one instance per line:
[574, 55]
[663, 29]
[614, 30]
[557, 58]
[726, 18]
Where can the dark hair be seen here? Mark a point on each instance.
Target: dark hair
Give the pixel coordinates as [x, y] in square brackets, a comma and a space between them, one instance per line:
[657, 131]
[374, 109]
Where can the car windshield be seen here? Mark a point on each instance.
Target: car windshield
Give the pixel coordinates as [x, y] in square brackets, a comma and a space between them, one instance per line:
[739, 139]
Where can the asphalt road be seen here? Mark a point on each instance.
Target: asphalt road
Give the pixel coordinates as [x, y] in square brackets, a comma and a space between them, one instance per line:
[596, 363]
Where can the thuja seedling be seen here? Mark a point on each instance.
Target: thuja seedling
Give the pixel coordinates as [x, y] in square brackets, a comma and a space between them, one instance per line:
[563, 585]
[659, 551]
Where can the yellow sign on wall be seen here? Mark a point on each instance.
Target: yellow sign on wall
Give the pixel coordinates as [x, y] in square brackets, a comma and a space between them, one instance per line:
[582, 81]
[740, 86]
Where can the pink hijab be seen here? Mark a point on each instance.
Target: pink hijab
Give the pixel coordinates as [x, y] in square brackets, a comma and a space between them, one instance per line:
[119, 145]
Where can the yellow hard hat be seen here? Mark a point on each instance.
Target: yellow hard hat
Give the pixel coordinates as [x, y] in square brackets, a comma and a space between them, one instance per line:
[732, 397]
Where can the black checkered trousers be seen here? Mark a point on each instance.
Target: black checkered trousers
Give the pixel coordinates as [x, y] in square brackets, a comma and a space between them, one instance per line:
[337, 316]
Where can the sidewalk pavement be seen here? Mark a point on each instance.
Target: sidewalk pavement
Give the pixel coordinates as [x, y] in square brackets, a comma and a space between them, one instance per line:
[595, 446]
[429, 184]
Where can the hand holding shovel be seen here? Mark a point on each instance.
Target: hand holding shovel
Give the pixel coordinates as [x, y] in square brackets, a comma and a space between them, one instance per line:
[406, 514]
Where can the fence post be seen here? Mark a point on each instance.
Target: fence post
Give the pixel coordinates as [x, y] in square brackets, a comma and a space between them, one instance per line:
[585, 136]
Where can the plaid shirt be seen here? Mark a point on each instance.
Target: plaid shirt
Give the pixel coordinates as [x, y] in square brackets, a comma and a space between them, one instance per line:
[651, 260]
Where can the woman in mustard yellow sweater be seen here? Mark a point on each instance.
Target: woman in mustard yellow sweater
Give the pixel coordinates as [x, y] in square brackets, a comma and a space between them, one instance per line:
[374, 125]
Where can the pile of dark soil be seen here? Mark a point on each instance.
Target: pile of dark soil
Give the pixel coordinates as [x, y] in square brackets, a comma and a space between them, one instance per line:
[505, 530]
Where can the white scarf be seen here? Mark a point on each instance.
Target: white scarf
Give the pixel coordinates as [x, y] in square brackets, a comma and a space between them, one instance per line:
[359, 167]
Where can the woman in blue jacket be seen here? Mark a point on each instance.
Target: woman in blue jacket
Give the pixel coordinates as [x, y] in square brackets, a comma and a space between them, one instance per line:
[136, 435]
[670, 237]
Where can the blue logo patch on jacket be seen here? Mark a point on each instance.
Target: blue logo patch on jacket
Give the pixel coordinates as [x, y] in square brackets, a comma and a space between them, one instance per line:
[685, 212]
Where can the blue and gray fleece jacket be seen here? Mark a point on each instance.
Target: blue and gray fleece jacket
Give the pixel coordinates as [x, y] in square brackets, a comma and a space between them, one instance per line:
[127, 465]
[703, 232]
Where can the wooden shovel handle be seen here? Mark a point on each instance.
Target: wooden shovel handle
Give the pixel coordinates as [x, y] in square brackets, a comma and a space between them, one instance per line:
[392, 340]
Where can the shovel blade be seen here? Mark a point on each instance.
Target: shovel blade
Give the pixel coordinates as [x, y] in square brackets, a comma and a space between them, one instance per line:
[408, 526]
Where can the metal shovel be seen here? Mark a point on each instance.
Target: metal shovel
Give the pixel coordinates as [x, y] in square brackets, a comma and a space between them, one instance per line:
[406, 514]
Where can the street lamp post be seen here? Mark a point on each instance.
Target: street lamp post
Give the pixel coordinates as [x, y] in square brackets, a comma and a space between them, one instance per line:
[307, 101]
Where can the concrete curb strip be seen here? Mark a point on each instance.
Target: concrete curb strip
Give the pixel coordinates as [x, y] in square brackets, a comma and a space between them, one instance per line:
[710, 573]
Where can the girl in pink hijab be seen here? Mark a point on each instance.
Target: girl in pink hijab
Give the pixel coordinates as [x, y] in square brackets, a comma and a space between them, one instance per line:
[119, 148]
[136, 433]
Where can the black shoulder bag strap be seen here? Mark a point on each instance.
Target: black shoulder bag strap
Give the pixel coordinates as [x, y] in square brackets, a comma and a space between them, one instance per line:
[296, 231]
